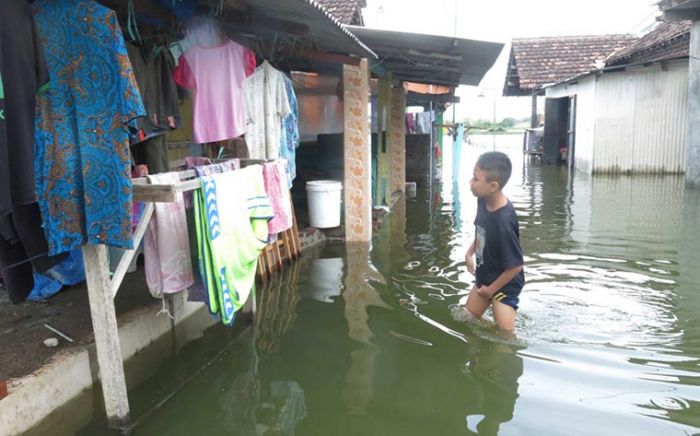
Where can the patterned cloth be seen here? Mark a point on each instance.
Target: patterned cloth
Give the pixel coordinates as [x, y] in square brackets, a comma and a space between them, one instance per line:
[290, 133]
[267, 105]
[277, 191]
[219, 168]
[82, 159]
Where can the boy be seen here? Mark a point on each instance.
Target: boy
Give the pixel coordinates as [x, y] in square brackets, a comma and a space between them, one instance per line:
[499, 258]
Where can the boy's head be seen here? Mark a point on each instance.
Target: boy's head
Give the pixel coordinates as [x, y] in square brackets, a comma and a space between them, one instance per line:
[491, 173]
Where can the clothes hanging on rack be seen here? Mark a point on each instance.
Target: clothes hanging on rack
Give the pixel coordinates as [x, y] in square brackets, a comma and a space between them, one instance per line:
[218, 168]
[231, 211]
[166, 245]
[277, 191]
[290, 133]
[82, 163]
[153, 67]
[216, 76]
[267, 105]
[23, 74]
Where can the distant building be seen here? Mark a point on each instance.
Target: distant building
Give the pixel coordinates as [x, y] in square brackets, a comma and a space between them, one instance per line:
[628, 115]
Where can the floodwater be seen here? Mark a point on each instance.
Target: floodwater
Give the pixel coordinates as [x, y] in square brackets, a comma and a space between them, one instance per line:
[370, 341]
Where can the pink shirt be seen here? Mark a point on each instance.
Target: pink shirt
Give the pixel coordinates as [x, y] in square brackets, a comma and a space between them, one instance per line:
[216, 77]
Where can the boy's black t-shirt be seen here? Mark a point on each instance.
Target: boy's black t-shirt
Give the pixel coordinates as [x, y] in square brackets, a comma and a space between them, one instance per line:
[498, 246]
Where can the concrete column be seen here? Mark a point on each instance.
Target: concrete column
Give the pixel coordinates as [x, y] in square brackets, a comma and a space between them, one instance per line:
[397, 139]
[358, 154]
[104, 324]
[693, 150]
[533, 113]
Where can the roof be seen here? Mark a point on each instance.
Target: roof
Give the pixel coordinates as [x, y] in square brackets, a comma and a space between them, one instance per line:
[346, 11]
[292, 29]
[669, 40]
[535, 62]
[431, 59]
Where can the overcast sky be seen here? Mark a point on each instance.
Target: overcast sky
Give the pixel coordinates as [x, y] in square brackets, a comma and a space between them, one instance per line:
[502, 20]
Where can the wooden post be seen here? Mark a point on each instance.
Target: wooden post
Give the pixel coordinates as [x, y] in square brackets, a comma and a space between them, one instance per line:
[358, 154]
[104, 323]
[398, 139]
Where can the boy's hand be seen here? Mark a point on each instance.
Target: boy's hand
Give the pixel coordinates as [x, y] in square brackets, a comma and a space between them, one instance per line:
[469, 258]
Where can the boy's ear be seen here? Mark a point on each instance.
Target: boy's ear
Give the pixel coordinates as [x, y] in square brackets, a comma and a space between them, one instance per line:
[495, 186]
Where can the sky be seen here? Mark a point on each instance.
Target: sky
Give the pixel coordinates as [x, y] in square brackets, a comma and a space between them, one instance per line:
[502, 20]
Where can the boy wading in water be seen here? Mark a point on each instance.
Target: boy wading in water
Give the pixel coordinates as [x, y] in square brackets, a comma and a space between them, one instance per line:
[499, 258]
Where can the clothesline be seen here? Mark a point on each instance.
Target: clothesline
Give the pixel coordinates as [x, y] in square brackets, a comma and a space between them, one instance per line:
[147, 192]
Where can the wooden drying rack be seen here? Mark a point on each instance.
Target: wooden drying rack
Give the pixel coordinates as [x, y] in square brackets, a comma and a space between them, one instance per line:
[102, 289]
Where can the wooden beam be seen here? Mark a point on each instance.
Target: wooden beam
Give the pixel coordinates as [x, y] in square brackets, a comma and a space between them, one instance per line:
[104, 324]
[128, 255]
[415, 97]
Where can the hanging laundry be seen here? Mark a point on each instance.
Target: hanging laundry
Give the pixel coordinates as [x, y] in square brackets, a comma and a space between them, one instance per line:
[290, 133]
[23, 75]
[216, 77]
[223, 167]
[82, 162]
[166, 245]
[195, 161]
[231, 212]
[153, 67]
[411, 124]
[267, 105]
[277, 191]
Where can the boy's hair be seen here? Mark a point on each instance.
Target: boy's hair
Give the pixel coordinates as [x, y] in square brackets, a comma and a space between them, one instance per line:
[497, 167]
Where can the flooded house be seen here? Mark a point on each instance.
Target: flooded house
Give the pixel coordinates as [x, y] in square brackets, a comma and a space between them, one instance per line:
[629, 113]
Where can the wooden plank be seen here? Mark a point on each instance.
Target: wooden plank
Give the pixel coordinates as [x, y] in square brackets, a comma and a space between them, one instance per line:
[155, 193]
[104, 323]
[128, 255]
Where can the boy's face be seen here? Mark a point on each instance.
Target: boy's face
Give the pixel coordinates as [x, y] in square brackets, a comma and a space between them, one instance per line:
[480, 186]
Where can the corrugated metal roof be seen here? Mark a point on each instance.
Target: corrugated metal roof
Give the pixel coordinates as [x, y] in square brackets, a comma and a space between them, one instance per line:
[346, 11]
[324, 31]
[656, 45]
[535, 62]
[431, 59]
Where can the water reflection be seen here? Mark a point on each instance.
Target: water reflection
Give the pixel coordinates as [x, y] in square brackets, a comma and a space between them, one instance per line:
[494, 370]
[359, 295]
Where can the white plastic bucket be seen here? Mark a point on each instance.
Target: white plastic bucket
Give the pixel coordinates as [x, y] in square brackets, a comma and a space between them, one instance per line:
[324, 203]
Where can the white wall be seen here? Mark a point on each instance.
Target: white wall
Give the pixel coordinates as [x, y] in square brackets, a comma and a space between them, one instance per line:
[641, 120]
[584, 90]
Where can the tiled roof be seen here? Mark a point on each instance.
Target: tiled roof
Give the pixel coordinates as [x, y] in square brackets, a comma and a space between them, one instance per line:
[668, 40]
[535, 62]
[346, 11]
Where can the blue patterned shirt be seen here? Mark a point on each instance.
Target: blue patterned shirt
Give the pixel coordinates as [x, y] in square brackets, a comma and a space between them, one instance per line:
[82, 162]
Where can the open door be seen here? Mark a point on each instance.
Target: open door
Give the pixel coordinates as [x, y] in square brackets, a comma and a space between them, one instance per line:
[555, 128]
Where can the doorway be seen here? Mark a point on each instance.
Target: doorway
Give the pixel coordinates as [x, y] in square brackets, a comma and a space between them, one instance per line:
[560, 131]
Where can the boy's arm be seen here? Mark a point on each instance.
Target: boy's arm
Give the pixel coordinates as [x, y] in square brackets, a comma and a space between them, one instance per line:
[502, 280]
[469, 257]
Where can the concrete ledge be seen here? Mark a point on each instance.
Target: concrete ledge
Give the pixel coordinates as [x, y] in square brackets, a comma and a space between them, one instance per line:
[34, 397]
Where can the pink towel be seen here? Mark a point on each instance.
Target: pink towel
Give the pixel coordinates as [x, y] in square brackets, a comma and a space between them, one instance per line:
[167, 247]
[278, 192]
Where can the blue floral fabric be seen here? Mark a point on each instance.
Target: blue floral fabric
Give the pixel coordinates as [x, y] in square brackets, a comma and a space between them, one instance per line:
[82, 162]
[290, 132]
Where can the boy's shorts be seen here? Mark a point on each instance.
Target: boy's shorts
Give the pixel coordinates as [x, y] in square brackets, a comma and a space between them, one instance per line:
[509, 298]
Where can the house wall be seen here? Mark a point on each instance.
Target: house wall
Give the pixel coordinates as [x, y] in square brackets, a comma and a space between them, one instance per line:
[584, 90]
[631, 121]
[641, 120]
